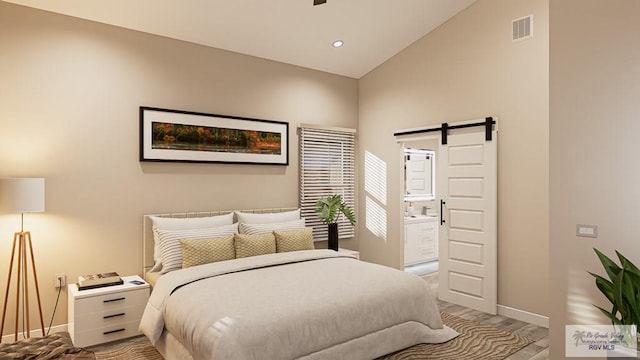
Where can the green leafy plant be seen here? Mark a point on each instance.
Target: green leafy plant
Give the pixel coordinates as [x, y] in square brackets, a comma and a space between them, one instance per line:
[330, 207]
[622, 289]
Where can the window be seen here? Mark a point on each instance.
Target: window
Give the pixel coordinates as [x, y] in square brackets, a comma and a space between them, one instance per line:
[327, 167]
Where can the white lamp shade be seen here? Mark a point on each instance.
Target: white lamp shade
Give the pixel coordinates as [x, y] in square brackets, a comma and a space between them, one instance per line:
[21, 195]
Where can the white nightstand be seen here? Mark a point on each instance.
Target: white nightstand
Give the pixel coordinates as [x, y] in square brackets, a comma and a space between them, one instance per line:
[350, 252]
[106, 314]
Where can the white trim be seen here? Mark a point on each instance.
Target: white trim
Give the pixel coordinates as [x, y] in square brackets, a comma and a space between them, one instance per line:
[36, 333]
[330, 128]
[417, 137]
[522, 315]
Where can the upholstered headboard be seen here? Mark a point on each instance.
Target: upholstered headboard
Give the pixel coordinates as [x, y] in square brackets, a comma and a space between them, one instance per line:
[147, 228]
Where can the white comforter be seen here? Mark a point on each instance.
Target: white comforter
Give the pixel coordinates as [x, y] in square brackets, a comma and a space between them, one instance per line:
[291, 305]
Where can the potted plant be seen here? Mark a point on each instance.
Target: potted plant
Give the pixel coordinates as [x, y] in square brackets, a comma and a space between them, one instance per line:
[329, 209]
[622, 289]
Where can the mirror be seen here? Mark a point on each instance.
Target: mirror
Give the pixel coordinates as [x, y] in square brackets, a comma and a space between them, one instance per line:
[419, 174]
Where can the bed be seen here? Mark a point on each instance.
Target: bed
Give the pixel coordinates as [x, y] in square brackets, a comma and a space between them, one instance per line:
[290, 302]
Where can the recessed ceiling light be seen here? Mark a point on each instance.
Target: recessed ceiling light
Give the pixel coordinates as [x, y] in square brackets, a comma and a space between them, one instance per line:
[338, 43]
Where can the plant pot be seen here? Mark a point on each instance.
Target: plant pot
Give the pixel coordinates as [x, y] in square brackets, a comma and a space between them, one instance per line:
[333, 237]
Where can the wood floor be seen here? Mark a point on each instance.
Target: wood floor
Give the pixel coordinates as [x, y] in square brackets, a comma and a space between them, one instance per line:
[538, 350]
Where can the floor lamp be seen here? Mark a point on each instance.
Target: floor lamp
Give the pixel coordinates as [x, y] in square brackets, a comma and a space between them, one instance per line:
[22, 195]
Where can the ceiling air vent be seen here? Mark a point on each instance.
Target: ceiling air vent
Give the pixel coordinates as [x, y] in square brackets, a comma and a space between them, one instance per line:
[522, 28]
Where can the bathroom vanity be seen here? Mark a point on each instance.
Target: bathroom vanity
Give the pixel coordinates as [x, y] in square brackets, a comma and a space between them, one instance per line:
[420, 239]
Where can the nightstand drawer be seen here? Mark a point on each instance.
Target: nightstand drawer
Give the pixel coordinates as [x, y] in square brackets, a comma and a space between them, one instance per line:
[106, 334]
[109, 318]
[110, 302]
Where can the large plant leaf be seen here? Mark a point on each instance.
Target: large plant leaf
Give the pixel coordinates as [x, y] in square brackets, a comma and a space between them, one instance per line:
[610, 267]
[325, 210]
[348, 213]
[605, 286]
[623, 291]
[618, 297]
[629, 278]
[330, 207]
[631, 293]
[611, 316]
[628, 265]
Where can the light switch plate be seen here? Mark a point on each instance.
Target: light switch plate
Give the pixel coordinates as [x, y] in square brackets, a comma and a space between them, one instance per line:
[587, 230]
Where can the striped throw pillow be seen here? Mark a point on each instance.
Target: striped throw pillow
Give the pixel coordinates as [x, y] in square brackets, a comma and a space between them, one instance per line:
[254, 229]
[170, 251]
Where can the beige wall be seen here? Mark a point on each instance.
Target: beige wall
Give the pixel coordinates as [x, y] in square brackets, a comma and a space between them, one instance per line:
[468, 69]
[594, 147]
[69, 112]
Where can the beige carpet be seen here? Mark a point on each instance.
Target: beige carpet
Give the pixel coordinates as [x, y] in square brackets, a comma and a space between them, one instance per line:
[136, 351]
[476, 342]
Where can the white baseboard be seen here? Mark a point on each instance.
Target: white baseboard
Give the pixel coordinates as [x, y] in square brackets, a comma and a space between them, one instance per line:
[525, 316]
[35, 333]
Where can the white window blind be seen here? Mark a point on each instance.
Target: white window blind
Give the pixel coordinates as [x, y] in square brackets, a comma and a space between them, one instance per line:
[327, 167]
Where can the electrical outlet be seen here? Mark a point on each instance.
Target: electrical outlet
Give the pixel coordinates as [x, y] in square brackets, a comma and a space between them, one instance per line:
[61, 280]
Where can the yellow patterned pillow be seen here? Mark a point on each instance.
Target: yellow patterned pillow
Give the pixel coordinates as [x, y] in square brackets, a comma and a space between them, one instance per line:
[294, 240]
[204, 251]
[254, 245]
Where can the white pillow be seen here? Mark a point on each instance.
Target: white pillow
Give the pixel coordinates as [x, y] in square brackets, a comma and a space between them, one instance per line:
[255, 229]
[251, 218]
[171, 223]
[167, 223]
[171, 251]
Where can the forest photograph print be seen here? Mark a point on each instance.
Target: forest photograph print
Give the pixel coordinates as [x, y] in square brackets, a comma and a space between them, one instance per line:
[202, 138]
[172, 135]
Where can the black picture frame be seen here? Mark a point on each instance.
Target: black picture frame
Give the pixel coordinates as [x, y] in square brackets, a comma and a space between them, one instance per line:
[185, 136]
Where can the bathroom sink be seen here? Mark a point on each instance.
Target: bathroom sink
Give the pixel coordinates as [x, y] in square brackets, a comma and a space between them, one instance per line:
[420, 217]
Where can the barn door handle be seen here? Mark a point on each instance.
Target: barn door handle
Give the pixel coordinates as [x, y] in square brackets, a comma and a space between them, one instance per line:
[442, 203]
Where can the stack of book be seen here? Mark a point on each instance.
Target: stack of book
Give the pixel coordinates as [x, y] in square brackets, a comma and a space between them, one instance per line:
[99, 280]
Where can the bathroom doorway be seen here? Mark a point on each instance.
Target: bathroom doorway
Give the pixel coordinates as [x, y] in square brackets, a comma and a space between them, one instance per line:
[420, 213]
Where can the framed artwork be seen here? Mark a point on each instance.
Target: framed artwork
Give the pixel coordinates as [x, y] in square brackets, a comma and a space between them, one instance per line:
[184, 136]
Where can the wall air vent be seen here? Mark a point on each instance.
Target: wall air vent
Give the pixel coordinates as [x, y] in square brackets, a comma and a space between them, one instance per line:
[522, 28]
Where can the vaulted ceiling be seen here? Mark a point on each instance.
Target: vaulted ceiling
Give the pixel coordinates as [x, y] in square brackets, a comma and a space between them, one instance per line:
[290, 31]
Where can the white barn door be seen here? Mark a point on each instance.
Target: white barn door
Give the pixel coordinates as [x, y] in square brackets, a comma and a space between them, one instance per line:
[467, 189]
